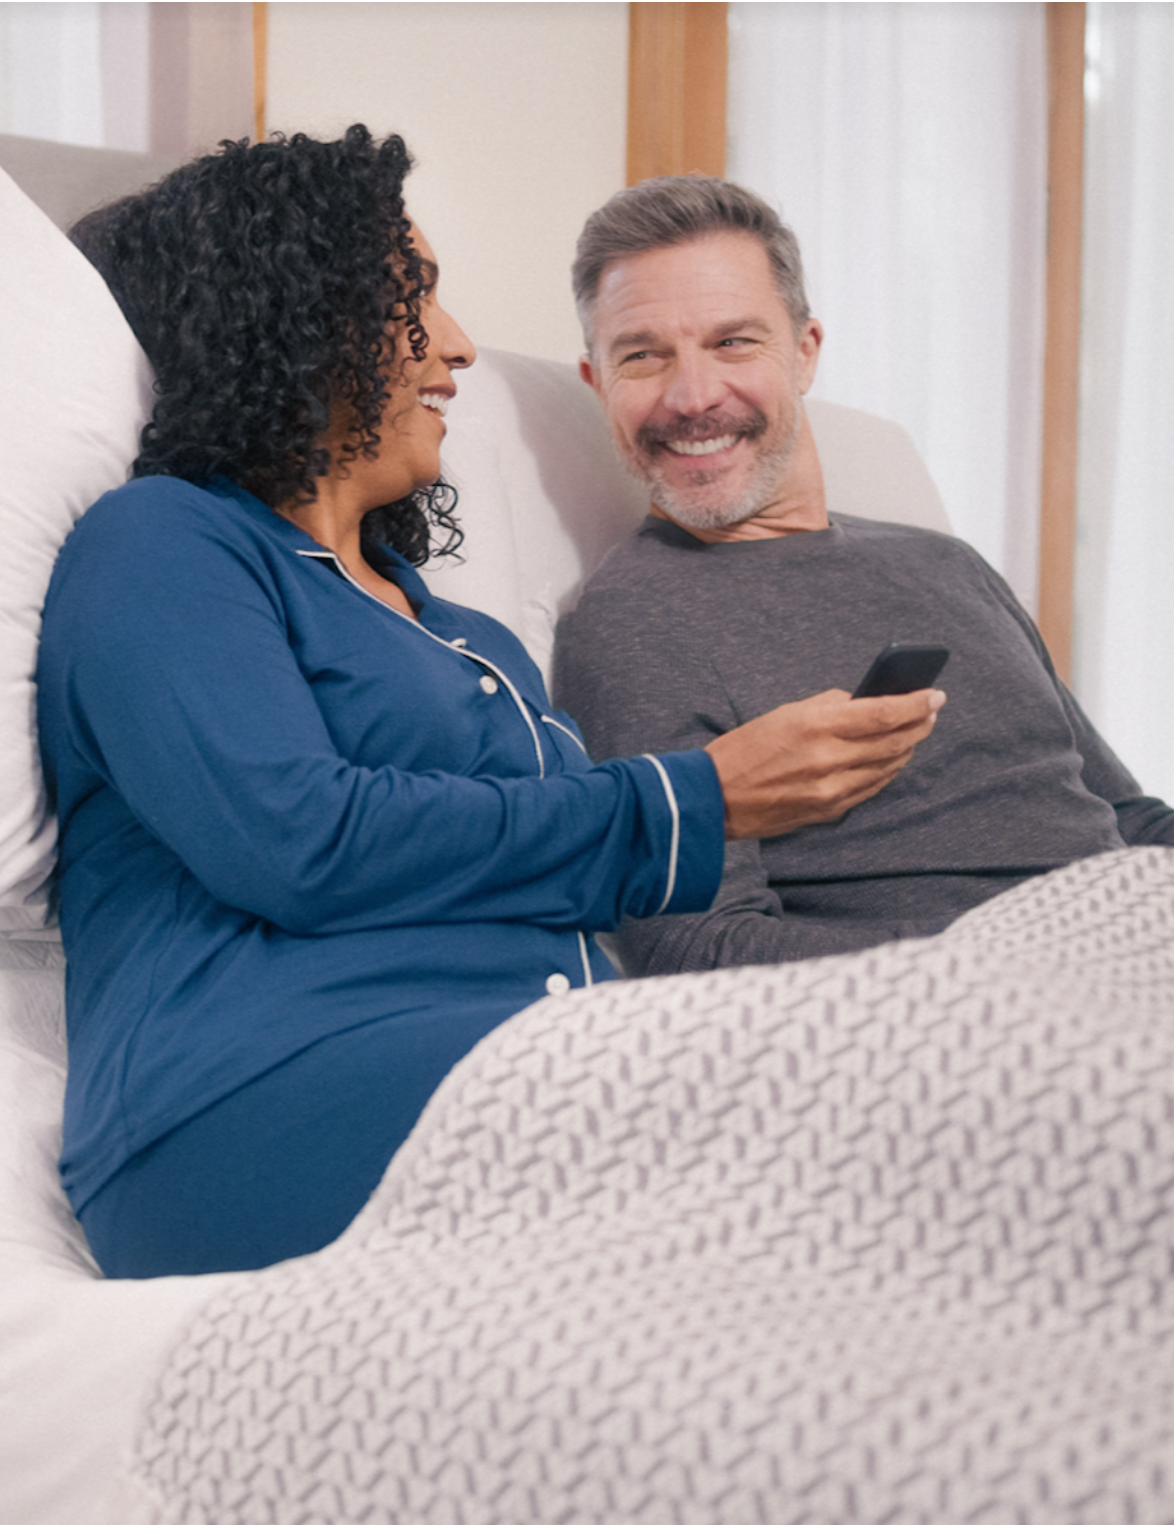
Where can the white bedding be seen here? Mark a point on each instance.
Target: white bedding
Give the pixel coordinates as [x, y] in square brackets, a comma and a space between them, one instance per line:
[75, 1350]
[882, 1238]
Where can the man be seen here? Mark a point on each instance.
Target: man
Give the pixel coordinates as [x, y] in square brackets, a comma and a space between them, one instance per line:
[739, 595]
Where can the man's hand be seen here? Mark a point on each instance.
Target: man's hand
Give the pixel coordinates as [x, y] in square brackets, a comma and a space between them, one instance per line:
[813, 760]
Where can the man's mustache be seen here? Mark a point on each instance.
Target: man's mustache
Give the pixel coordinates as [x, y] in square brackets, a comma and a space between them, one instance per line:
[708, 426]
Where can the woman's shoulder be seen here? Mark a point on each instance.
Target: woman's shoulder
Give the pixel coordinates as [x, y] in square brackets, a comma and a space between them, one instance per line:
[169, 520]
[155, 540]
[170, 501]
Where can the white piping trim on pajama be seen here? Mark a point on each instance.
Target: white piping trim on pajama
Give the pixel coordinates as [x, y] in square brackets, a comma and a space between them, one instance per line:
[565, 729]
[460, 646]
[675, 843]
[588, 978]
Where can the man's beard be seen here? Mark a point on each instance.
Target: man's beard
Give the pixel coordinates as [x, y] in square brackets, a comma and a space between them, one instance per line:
[703, 505]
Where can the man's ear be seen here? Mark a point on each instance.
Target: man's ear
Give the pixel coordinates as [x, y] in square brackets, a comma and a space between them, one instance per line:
[809, 345]
[587, 372]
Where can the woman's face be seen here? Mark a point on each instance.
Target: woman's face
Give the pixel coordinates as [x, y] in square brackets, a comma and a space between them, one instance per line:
[420, 390]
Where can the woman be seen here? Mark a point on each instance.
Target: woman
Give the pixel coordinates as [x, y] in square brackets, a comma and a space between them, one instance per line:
[319, 831]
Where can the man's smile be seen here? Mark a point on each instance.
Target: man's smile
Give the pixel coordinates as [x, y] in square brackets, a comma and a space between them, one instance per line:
[700, 446]
[711, 435]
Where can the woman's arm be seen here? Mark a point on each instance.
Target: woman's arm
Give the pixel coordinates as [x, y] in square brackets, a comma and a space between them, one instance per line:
[171, 674]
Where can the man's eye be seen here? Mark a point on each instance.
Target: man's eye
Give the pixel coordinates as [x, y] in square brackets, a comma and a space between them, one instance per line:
[637, 354]
[734, 341]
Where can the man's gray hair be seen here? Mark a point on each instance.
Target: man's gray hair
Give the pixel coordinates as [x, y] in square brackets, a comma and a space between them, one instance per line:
[674, 209]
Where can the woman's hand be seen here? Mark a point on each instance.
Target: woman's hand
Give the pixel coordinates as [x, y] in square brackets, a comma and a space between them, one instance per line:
[813, 760]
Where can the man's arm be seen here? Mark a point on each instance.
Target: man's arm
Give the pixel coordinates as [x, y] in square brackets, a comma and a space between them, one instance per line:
[1141, 818]
[825, 754]
[747, 924]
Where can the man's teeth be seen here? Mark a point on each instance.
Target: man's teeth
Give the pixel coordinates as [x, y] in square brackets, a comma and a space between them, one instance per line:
[437, 401]
[700, 446]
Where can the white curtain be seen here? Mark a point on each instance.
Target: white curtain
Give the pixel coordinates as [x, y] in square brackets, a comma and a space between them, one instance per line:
[1124, 652]
[906, 144]
[171, 79]
[49, 82]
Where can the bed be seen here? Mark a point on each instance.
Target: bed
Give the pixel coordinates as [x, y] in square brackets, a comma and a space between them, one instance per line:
[881, 1238]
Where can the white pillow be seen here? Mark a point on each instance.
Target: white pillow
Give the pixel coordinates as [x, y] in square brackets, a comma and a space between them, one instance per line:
[74, 394]
[37, 1228]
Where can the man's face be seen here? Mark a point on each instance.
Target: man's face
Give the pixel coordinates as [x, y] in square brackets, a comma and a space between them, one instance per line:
[701, 374]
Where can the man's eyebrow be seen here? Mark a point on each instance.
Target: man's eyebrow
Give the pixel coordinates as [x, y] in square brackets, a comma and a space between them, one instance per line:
[430, 273]
[644, 338]
[740, 326]
[639, 338]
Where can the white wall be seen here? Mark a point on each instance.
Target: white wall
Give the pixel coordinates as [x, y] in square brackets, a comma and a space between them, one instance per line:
[516, 116]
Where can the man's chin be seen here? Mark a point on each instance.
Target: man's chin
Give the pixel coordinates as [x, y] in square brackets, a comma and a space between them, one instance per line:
[721, 498]
[701, 516]
[711, 502]
[698, 509]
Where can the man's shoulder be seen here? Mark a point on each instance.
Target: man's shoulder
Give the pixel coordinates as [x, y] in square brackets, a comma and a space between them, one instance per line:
[661, 548]
[884, 531]
[880, 540]
[628, 563]
[633, 611]
[664, 574]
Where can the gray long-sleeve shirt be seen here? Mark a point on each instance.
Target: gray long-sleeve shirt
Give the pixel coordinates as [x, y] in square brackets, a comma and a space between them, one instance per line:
[675, 642]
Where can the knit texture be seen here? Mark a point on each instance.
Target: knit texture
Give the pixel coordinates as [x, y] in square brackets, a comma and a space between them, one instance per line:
[885, 1238]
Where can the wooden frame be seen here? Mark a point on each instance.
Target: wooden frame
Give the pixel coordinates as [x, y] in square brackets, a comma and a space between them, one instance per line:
[1061, 400]
[260, 66]
[676, 89]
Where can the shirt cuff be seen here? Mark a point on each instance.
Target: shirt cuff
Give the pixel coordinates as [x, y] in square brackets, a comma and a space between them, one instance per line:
[697, 850]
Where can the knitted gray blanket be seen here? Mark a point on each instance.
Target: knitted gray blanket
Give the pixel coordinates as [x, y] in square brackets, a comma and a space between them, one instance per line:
[886, 1237]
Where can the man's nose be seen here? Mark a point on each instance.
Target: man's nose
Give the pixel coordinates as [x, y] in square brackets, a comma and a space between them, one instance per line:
[694, 386]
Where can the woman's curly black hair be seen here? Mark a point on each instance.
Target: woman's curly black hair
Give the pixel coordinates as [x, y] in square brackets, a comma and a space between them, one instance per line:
[262, 282]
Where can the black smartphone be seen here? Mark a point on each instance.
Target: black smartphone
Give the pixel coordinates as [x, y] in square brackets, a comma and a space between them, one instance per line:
[902, 668]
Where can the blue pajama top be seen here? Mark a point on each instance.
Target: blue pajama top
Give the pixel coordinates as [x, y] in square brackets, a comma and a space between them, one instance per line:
[286, 810]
